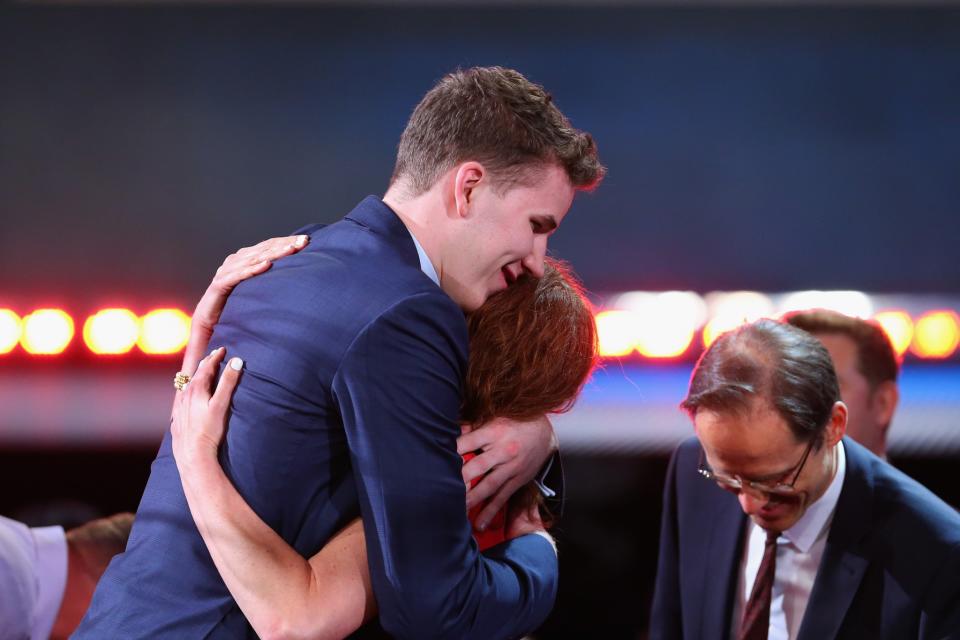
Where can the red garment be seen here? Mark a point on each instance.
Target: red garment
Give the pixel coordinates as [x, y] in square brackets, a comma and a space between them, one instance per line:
[496, 531]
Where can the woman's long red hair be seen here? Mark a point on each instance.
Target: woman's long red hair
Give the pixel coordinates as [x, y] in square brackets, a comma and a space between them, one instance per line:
[532, 348]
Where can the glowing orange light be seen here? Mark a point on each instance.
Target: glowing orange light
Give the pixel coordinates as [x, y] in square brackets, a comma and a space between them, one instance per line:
[661, 324]
[616, 333]
[936, 335]
[731, 309]
[164, 331]
[899, 328]
[10, 330]
[111, 331]
[855, 304]
[720, 325]
[46, 332]
[664, 337]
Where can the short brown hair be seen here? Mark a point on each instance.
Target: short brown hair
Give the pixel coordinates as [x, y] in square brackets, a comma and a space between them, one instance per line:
[532, 348]
[876, 358]
[770, 360]
[498, 118]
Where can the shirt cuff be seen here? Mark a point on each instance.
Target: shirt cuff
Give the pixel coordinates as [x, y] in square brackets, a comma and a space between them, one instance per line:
[50, 546]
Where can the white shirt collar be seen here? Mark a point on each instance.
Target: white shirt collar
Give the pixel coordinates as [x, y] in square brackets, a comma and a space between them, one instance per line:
[425, 265]
[819, 514]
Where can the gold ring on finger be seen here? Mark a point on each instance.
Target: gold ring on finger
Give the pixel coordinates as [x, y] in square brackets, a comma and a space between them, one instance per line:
[180, 380]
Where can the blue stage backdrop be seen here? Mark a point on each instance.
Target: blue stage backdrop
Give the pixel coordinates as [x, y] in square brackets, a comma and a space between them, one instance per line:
[762, 148]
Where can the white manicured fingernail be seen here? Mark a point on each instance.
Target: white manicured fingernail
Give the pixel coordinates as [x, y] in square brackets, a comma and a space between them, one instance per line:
[300, 242]
[236, 364]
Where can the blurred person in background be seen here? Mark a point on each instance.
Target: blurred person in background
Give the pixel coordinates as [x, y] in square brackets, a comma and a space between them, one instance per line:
[532, 348]
[867, 369]
[47, 576]
[776, 525]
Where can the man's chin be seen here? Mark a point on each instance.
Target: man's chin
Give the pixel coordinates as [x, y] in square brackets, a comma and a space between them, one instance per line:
[468, 300]
[493, 290]
[469, 303]
[772, 524]
[779, 518]
[469, 306]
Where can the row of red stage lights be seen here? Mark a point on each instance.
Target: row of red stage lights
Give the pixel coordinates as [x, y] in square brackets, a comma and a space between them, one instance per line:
[44, 332]
[48, 332]
[933, 335]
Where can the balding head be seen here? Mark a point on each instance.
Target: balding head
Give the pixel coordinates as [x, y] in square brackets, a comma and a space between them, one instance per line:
[772, 361]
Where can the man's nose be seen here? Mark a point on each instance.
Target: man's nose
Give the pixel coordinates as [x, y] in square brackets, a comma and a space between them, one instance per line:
[751, 501]
[533, 262]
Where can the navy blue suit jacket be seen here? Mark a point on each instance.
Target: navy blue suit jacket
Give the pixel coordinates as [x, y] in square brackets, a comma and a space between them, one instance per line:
[348, 405]
[891, 567]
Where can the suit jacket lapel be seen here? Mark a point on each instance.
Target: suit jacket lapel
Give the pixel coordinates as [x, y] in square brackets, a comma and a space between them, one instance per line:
[842, 566]
[723, 529]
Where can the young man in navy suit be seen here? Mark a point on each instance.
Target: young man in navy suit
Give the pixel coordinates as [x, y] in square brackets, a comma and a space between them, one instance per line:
[775, 525]
[355, 351]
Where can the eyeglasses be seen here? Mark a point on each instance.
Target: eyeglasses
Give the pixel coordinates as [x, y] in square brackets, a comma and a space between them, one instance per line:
[736, 483]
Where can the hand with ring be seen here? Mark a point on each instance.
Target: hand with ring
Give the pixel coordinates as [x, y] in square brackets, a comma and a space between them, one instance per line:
[236, 268]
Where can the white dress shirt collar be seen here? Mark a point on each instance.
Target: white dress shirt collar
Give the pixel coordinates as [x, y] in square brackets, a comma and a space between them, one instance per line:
[425, 265]
[819, 514]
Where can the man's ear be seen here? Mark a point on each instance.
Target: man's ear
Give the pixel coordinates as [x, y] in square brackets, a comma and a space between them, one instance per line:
[467, 178]
[837, 426]
[883, 402]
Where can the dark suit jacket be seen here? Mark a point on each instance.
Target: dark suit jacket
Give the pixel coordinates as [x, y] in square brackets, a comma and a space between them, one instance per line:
[348, 405]
[890, 569]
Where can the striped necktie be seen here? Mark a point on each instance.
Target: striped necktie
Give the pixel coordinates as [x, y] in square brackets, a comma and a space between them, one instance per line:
[756, 615]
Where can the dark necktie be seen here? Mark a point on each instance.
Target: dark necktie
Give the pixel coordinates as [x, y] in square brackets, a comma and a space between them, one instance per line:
[756, 615]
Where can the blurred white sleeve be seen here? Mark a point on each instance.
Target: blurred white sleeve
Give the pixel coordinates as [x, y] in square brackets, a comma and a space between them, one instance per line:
[33, 575]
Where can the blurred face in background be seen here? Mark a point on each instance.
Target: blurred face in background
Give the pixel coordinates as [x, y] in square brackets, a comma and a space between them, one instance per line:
[871, 408]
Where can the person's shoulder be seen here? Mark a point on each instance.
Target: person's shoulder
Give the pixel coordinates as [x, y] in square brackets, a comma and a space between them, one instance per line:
[683, 467]
[906, 502]
[903, 509]
[363, 264]
[426, 310]
[420, 331]
[370, 245]
[687, 453]
[909, 532]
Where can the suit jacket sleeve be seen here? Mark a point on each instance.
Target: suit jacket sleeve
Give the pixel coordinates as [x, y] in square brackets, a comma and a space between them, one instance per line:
[399, 389]
[665, 618]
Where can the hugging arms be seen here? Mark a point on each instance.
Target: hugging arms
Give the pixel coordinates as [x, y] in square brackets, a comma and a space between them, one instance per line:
[509, 386]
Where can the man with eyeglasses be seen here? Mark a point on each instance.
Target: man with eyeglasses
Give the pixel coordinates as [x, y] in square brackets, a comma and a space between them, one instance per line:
[777, 526]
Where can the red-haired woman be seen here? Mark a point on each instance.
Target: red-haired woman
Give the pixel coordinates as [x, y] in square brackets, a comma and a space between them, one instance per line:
[532, 347]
